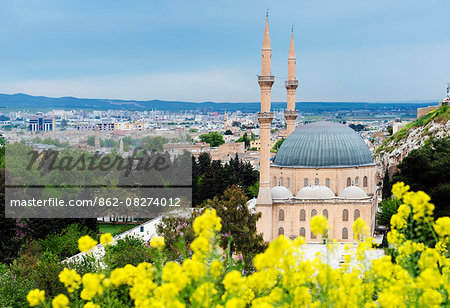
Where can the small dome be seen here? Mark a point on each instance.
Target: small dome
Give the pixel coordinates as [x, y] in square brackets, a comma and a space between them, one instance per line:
[315, 192]
[353, 192]
[251, 205]
[280, 192]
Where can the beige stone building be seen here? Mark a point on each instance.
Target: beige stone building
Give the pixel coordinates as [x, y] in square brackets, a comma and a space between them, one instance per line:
[323, 168]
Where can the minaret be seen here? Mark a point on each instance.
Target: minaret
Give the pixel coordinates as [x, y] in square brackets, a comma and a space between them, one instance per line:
[53, 124]
[265, 118]
[291, 86]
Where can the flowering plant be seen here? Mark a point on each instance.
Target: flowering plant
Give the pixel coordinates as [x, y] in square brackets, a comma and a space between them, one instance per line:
[416, 275]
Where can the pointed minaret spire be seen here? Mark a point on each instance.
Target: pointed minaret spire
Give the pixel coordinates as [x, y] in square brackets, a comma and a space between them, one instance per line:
[265, 118]
[266, 51]
[291, 87]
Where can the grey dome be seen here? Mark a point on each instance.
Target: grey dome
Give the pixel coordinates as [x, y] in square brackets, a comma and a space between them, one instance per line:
[353, 192]
[315, 192]
[323, 144]
[280, 192]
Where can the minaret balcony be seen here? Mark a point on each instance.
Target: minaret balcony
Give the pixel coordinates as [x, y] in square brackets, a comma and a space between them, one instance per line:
[266, 80]
[291, 84]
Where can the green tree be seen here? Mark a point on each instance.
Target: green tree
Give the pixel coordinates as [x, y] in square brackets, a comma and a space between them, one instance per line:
[387, 186]
[63, 123]
[277, 145]
[153, 143]
[214, 139]
[428, 169]
[238, 222]
[244, 139]
[388, 208]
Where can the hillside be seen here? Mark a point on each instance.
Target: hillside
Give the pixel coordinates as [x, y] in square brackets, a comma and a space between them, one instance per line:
[414, 135]
[24, 101]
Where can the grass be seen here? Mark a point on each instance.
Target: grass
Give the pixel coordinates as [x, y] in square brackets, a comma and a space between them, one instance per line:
[439, 115]
[114, 229]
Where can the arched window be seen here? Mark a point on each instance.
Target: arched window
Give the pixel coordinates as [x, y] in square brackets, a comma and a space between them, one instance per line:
[327, 182]
[344, 233]
[302, 232]
[305, 182]
[274, 181]
[345, 215]
[365, 181]
[288, 182]
[280, 231]
[313, 213]
[356, 214]
[281, 181]
[349, 182]
[281, 215]
[316, 181]
[313, 236]
[325, 213]
[357, 181]
[302, 215]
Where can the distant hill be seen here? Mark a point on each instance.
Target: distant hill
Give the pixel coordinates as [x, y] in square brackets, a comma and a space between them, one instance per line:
[24, 101]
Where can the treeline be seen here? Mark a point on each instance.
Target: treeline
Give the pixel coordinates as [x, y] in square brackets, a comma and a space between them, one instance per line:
[210, 178]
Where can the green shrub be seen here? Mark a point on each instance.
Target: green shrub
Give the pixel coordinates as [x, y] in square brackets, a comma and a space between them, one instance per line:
[64, 244]
[13, 289]
[128, 250]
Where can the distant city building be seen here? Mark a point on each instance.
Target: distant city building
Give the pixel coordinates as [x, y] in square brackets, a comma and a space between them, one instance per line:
[40, 123]
[179, 148]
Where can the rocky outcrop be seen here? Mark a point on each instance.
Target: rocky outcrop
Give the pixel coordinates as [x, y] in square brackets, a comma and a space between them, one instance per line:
[435, 124]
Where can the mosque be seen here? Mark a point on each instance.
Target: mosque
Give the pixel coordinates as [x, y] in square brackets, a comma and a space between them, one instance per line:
[322, 168]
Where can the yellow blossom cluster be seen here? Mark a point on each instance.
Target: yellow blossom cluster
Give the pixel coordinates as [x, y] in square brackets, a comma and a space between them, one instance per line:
[416, 275]
[86, 243]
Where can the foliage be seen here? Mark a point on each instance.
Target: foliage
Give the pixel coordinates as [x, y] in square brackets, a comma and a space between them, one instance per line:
[211, 178]
[13, 289]
[277, 145]
[237, 223]
[127, 250]
[441, 114]
[214, 139]
[428, 169]
[388, 207]
[387, 186]
[64, 123]
[415, 276]
[357, 127]
[228, 132]
[65, 243]
[51, 141]
[153, 143]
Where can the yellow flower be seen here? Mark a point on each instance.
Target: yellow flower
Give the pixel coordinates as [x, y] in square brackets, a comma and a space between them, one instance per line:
[397, 222]
[106, 239]
[60, 301]
[118, 277]
[91, 305]
[91, 285]
[319, 224]
[235, 302]
[157, 242]
[207, 223]
[399, 189]
[442, 226]
[431, 298]
[86, 243]
[233, 281]
[35, 297]
[204, 294]
[216, 268]
[359, 227]
[70, 278]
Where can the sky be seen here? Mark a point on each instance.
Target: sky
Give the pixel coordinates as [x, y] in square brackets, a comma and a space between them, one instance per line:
[198, 50]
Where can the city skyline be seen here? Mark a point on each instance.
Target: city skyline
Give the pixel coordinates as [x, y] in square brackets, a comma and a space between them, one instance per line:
[203, 51]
